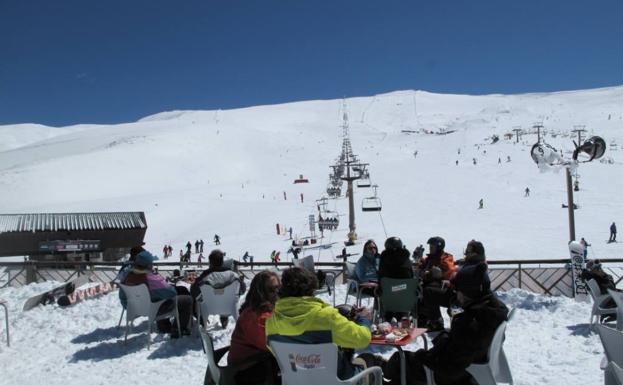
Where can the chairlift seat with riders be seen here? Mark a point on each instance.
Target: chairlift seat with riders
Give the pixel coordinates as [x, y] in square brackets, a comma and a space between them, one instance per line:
[301, 179]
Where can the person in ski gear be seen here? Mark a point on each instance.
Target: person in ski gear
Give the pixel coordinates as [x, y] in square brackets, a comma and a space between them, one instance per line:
[394, 263]
[196, 246]
[468, 340]
[245, 257]
[249, 357]
[217, 275]
[201, 245]
[165, 251]
[290, 232]
[159, 289]
[613, 233]
[189, 246]
[295, 252]
[300, 317]
[481, 203]
[200, 259]
[217, 239]
[527, 192]
[435, 271]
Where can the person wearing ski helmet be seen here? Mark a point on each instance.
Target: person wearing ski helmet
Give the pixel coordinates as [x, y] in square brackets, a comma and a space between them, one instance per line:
[395, 261]
[435, 271]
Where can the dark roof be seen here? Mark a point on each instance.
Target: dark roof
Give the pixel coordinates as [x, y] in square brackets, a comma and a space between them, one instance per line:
[10, 223]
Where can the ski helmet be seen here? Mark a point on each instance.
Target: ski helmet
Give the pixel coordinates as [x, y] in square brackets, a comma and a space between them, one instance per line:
[438, 242]
[393, 243]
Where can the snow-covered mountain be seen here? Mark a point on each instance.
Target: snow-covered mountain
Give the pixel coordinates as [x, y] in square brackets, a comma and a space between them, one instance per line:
[197, 173]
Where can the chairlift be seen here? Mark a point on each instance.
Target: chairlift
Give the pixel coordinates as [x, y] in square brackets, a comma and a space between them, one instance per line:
[364, 182]
[372, 203]
[301, 179]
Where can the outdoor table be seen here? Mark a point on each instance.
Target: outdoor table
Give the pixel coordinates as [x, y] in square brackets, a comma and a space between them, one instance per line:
[399, 343]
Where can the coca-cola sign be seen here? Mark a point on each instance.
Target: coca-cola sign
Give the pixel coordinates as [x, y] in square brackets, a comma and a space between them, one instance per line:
[310, 361]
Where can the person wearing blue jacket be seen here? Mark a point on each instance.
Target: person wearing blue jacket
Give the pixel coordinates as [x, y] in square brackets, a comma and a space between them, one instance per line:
[367, 266]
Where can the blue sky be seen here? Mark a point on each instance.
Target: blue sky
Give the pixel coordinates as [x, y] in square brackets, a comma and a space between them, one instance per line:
[80, 61]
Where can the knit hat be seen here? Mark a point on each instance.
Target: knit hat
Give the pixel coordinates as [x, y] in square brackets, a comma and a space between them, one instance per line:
[144, 259]
[472, 280]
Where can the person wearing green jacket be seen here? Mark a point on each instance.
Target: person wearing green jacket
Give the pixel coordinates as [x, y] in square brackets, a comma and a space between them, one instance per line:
[299, 317]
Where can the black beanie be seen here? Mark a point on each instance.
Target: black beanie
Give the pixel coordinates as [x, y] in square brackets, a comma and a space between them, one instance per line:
[472, 280]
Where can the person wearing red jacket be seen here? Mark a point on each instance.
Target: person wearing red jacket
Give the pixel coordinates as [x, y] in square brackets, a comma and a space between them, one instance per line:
[248, 354]
[436, 268]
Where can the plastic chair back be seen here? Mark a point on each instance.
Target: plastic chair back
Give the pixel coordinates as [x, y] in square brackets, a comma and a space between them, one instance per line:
[350, 270]
[214, 371]
[139, 301]
[313, 364]
[614, 374]
[617, 296]
[399, 295]
[221, 302]
[306, 263]
[598, 299]
[612, 341]
[496, 369]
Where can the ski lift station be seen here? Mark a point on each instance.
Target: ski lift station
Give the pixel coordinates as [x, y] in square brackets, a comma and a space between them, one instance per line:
[71, 236]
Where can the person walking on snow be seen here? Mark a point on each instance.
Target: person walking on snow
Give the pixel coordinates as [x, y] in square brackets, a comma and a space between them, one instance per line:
[527, 194]
[217, 239]
[613, 233]
[481, 204]
[201, 245]
[189, 246]
[196, 246]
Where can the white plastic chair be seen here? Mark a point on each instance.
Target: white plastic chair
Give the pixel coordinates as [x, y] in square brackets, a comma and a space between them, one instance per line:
[222, 302]
[352, 285]
[313, 364]
[613, 375]
[598, 301]
[496, 370]
[307, 263]
[612, 341]
[139, 305]
[617, 296]
[214, 371]
[6, 321]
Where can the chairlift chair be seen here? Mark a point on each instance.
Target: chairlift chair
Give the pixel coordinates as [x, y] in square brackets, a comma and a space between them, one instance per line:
[364, 182]
[371, 204]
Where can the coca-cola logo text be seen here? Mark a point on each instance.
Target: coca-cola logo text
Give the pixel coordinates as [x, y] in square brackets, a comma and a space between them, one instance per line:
[312, 359]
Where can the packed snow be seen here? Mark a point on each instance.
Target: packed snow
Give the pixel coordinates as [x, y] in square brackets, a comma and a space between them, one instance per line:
[200, 173]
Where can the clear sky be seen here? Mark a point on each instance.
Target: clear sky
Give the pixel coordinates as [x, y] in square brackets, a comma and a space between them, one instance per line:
[107, 61]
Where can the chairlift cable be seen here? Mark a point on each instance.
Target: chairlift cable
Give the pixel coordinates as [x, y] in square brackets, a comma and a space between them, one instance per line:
[383, 223]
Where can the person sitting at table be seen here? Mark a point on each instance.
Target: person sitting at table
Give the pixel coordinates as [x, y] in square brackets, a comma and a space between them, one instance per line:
[299, 317]
[159, 289]
[437, 267]
[248, 354]
[218, 275]
[468, 340]
[394, 261]
[367, 266]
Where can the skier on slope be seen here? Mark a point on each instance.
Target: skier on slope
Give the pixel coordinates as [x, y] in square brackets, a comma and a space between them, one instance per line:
[217, 239]
[613, 233]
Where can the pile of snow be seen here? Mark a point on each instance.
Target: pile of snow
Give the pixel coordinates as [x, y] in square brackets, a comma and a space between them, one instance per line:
[547, 342]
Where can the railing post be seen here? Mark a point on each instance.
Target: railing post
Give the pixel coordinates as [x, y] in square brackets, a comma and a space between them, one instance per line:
[31, 272]
[519, 274]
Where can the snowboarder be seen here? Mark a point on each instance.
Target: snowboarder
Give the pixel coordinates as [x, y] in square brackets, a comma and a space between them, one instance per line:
[189, 246]
[527, 194]
[295, 251]
[613, 233]
[481, 204]
[201, 245]
[196, 246]
[217, 239]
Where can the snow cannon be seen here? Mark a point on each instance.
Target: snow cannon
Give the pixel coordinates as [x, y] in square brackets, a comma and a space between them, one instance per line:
[594, 147]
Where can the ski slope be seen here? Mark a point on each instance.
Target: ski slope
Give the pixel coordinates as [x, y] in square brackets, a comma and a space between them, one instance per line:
[198, 173]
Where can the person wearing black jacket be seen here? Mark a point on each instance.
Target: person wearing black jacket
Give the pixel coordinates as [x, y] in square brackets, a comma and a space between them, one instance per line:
[395, 261]
[468, 340]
